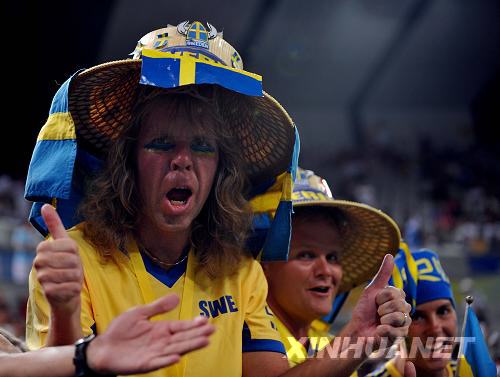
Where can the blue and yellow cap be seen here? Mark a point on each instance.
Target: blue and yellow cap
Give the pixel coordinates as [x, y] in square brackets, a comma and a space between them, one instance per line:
[92, 107]
[433, 283]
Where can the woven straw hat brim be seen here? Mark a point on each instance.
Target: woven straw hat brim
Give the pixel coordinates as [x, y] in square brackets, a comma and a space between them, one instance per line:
[371, 235]
[101, 100]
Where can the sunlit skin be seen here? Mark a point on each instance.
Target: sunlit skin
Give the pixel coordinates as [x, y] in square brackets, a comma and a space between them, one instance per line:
[172, 154]
[431, 320]
[302, 289]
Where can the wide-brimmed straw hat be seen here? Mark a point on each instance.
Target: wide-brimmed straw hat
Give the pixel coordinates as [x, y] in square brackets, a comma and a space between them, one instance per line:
[92, 108]
[370, 233]
[101, 99]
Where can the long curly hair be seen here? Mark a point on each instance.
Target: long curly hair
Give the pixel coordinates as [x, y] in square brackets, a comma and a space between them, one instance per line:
[111, 206]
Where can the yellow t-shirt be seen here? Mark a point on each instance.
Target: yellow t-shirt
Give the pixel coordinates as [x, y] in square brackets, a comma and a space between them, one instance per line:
[235, 304]
[296, 352]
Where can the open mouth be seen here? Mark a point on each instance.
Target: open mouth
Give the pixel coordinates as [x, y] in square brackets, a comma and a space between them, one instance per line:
[320, 289]
[179, 196]
[439, 346]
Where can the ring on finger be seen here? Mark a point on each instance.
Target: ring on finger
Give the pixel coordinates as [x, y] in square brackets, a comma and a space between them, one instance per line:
[405, 320]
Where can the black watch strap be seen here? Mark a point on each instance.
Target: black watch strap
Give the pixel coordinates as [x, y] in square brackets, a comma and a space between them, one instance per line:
[80, 359]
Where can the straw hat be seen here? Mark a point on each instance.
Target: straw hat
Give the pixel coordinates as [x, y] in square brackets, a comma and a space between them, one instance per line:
[101, 98]
[371, 233]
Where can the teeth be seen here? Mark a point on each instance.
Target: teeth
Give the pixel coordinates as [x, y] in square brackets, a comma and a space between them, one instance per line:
[178, 202]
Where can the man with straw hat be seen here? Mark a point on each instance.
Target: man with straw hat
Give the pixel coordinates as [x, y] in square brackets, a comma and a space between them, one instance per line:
[149, 163]
[336, 245]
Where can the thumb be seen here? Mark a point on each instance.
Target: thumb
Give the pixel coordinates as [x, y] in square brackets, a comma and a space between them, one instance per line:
[410, 370]
[53, 221]
[384, 273]
[160, 306]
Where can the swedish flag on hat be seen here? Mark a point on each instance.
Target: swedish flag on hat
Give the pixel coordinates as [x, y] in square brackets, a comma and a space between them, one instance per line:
[92, 107]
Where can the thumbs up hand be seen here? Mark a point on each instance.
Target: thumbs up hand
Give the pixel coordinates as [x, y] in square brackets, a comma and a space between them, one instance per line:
[381, 311]
[58, 267]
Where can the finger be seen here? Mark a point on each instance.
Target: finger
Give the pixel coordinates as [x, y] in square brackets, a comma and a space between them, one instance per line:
[59, 245]
[162, 305]
[160, 362]
[63, 260]
[384, 273]
[390, 332]
[388, 294]
[392, 306]
[50, 275]
[183, 325]
[410, 370]
[396, 319]
[187, 345]
[204, 330]
[53, 222]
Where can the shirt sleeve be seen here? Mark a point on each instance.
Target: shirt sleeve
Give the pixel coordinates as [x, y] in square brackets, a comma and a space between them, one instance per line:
[259, 331]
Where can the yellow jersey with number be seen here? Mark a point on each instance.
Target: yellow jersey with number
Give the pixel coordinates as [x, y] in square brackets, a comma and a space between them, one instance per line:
[235, 304]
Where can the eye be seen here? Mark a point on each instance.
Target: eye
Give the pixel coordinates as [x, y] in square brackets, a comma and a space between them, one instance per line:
[333, 258]
[160, 144]
[444, 310]
[417, 316]
[305, 256]
[202, 145]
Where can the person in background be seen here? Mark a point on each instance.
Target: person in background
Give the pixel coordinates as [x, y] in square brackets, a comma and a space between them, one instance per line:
[336, 245]
[434, 317]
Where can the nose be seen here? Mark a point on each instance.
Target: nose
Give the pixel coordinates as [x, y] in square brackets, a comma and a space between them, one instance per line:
[434, 324]
[182, 159]
[323, 267]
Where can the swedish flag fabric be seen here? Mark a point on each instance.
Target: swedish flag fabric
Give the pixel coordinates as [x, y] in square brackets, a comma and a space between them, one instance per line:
[51, 177]
[272, 206]
[405, 274]
[476, 361]
[173, 69]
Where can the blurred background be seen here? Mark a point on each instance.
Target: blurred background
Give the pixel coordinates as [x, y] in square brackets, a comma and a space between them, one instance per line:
[397, 103]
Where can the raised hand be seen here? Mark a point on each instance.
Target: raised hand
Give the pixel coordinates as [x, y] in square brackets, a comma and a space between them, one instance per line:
[60, 273]
[152, 344]
[58, 266]
[381, 311]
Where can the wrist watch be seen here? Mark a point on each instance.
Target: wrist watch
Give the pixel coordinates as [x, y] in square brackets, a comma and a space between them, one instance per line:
[80, 359]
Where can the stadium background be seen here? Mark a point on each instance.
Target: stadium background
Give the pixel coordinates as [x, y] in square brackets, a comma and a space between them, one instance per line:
[397, 103]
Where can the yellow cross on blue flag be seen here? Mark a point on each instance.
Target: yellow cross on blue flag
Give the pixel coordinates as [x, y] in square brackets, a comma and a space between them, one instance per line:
[476, 361]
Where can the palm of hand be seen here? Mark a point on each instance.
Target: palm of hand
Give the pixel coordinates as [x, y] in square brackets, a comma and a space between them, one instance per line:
[145, 339]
